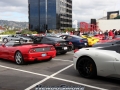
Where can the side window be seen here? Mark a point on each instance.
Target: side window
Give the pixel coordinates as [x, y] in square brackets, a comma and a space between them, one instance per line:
[9, 44]
[69, 37]
[64, 37]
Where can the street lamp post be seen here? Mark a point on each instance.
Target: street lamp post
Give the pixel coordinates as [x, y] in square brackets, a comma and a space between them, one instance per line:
[46, 14]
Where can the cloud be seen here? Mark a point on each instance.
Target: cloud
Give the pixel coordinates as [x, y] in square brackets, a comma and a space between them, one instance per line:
[15, 10]
[83, 10]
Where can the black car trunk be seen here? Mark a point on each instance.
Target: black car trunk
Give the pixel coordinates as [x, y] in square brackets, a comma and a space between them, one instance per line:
[64, 43]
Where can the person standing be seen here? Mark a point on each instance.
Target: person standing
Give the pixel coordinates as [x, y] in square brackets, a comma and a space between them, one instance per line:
[106, 34]
[111, 34]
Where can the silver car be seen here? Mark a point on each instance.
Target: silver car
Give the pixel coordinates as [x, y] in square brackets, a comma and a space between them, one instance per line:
[16, 37]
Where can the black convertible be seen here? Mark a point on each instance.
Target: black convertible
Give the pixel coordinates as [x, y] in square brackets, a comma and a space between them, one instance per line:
[62, 46]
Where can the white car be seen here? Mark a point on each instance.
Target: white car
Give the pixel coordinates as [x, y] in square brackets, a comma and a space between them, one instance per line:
[101, 61]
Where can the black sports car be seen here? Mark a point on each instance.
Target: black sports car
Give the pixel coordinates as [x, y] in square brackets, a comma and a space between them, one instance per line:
[112, 43]
[62, 46]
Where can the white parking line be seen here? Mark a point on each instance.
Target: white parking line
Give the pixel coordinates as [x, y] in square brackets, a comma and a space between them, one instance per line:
[24, 71]
[62, 60]
[38, 83]
[48, 77]
[81, 84]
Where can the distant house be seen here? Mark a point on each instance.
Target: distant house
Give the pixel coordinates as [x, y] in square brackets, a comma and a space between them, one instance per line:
[2, 29]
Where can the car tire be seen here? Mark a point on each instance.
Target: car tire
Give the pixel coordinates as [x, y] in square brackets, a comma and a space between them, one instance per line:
[19, 58]
[5, 40]
[86, 67]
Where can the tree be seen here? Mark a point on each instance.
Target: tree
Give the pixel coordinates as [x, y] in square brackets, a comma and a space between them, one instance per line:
[69, 29]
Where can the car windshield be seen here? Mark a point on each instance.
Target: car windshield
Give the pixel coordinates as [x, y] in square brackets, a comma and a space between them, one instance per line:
[16, 43]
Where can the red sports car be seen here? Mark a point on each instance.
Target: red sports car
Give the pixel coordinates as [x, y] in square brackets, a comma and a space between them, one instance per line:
[117, 37]
[23, 52]
[100, 36]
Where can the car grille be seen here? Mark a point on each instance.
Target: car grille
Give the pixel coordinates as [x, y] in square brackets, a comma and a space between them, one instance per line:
[42, 49]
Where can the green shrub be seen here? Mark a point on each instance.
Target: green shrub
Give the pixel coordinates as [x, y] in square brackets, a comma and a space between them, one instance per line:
[9, 32]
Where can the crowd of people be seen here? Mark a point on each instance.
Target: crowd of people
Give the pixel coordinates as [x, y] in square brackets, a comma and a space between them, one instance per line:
[111, 33]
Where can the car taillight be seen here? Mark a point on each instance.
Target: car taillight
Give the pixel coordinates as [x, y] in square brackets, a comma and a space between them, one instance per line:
[70, 43]
[32, 51]
[57, 44]
[81, 40]
[52, 48]
[76, 50]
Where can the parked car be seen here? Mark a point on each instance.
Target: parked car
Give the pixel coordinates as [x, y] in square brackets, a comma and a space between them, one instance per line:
[100, 36]
[24, 52]
[106, 44]
[78, 42]
[101, 61]
[91, 39]
[62, 46]
[15, 37]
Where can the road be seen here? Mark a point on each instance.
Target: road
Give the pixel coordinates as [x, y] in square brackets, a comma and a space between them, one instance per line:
[50, 73]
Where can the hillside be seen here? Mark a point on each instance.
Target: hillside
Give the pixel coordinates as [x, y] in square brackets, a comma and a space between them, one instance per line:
[14, 24]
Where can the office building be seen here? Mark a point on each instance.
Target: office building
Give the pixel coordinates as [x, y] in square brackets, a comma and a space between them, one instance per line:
[50, 14]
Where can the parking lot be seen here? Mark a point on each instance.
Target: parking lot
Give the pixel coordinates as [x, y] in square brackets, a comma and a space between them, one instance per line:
[50, 73]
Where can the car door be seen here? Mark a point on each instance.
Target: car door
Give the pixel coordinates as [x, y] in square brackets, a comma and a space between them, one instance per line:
[16, 37]
[5, 50]
[116, 55]
[11, 37]
[117, 59]
[1, 49]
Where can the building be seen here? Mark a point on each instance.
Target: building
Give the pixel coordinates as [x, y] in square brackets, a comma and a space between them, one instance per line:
[49, 14]
[109, 22]
[2, 29]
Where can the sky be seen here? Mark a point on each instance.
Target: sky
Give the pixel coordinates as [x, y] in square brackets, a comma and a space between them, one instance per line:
[83, 10]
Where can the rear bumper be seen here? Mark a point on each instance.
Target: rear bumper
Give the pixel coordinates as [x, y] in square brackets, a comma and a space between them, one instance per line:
[64, 49]
[38, 56]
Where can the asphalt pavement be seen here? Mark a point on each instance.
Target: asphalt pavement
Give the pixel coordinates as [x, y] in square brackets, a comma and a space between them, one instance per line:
[59, 71]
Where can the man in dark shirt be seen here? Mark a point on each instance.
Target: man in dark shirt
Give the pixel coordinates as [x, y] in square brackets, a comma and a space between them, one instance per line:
[106, 34]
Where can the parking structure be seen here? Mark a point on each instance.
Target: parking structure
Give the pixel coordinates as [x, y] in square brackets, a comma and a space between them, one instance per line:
[58, 71]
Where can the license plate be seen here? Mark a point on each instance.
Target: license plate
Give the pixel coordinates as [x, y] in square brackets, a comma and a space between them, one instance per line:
[85, 43]
[65, 48]
[43, 55]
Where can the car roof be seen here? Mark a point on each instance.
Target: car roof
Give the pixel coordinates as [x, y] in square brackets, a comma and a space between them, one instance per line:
[55, 38]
